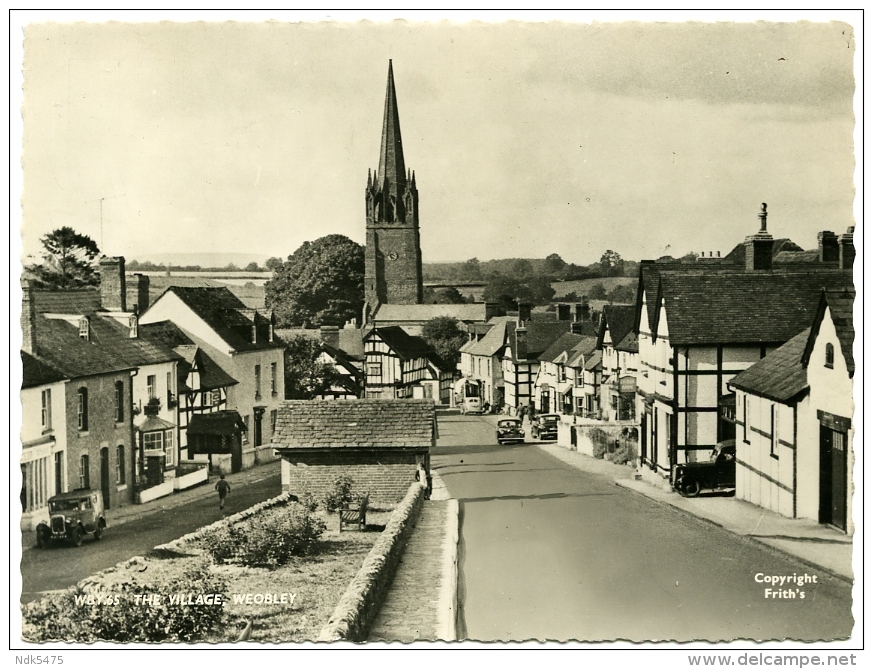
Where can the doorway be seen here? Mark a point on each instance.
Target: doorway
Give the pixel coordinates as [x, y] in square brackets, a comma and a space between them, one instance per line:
[104, 476]
[833, 477]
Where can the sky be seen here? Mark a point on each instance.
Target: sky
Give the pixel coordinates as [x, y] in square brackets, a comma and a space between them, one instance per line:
[526, 138]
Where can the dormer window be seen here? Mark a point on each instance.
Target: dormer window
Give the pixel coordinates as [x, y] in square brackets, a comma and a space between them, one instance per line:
[270, 332]
[829, 356]
[133, 326]
[84, 329]
[255, 331]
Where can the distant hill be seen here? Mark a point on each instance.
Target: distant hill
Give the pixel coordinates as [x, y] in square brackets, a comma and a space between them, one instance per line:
[202, 259]
[583, 286]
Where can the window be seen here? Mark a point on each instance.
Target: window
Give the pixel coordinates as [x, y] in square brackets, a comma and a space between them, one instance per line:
[245, 434]
[59, 472]
[562, 373]
[150, 384]
[374, 369]
[83, 409]
[257, 382]
[84, 473]
[119, 464]
[170, 397]
[170, 447]
[46, 416]
[746, 418]
[84, 329]
[273, 415]
[273, 390]
[119, 401]
[133, 325]
[829, 356]
[216, 398]
[153, 441]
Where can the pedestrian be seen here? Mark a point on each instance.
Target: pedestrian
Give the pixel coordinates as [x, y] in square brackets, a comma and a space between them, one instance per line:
[223, 487]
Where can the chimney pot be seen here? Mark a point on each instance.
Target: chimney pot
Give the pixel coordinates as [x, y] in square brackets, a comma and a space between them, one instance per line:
[28, 318]
[847, 249]
[828, 247]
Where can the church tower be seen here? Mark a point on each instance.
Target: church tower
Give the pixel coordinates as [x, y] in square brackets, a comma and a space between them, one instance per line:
[393, 255]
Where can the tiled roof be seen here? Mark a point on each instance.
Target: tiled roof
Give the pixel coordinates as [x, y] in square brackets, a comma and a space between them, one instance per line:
[739, 307]
[582, 351]
[619, 318]
[781, 375]
[491, 343]
[594, 360]
[401, 342]
[540, 335]
[166, 332]
[789, 257]
[630, 343]
[80, 302]
[411, 313]
[227, 315]
[108, 349]
[841, 303]
[351, 340]
[563, 344]
[355, 424]
[738, 253]
[37, 372]
[216, 423]
[212, 376]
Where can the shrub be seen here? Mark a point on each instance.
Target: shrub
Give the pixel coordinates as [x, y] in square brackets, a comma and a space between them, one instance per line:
[598, 440]
[117, 615]
[340, 495]
[267, 540]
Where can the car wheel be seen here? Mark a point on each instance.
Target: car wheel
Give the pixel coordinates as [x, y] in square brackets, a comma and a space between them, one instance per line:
[76, 536]
[689, 487]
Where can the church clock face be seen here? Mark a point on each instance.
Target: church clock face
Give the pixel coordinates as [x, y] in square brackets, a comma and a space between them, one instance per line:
[393, 255]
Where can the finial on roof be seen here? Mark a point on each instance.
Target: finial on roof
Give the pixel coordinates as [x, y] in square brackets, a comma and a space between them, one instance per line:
[763, 217]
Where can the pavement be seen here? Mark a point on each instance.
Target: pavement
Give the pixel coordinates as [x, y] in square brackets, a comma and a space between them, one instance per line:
[131, 512]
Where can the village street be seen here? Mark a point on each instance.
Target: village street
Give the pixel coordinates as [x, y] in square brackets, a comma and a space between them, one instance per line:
[551, 552]
[62, 565]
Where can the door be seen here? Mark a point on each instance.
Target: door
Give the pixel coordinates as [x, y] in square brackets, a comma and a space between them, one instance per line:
[257, 437]
[832, 477]
[104, 475]
[644, 436]
[544, 402]
[236, 452]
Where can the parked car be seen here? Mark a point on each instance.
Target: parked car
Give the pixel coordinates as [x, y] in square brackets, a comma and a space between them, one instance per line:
[509, 429]
[545, 427]
[71, 516]
[719, 473]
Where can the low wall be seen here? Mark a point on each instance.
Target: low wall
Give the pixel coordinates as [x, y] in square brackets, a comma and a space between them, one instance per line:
[616, 430]
[357, 609]
[199, 475]
[160, 490]
[448, 601]
[265, 454]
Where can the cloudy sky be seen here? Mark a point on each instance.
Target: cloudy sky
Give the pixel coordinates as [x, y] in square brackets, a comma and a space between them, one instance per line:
[526, 138]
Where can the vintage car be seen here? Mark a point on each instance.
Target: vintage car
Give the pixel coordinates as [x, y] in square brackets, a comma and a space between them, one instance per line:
[719, 473]
[545, 426]
[71, 516]
[509, 429]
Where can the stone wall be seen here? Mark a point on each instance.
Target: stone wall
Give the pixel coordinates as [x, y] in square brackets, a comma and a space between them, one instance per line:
[385, 475]
[357, 609]
[585, 438]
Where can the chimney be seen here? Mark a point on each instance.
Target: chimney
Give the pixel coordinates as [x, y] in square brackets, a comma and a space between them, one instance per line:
[759, 247]
[579, 314]
[828, 247]
[523, 313]
[492, 309]
[138, 293]
[113, 296]
[521, 343]
[847, 248]
[330, 335]
[255, 327]
[28, 319]
[563, 312]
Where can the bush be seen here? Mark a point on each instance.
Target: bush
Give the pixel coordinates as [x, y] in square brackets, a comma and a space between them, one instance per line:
[117, 614]
[340, 495]
[598, 440]
[267, 540]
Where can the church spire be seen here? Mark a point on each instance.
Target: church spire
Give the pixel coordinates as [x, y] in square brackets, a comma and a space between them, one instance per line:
[391, 165]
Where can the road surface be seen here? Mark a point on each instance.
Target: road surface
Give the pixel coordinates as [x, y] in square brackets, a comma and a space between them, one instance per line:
[62, 565]
[551, 552]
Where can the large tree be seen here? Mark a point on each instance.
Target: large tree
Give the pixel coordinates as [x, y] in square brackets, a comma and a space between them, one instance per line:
[69, 260]
[306, 377]
[445, 337]
[321, 283]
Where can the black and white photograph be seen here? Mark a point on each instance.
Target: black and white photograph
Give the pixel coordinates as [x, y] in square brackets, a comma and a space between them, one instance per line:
[573, 361]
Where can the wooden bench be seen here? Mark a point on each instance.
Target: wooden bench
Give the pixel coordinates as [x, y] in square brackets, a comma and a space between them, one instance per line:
[354, 514]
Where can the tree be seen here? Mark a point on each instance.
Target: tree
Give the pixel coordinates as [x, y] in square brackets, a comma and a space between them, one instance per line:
[597, 292]
[623, 294]
[572, 296]
[612, 264]
[273, 264]
[321, 283]
[522, 268]
[446, 338]
[252, 267]
[471, 269]
[554, 264]
[69, 260]
[449, 295]
[306, 377]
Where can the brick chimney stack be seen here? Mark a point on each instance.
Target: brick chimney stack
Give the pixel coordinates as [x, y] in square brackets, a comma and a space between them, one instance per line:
[523, 313]
[330, 335]
[563, 312]
[113, 294]
[579, 314]
[847, 248]
[759, 247]
[521, 343]
[28, 319]
[138, 292]
[828, 247]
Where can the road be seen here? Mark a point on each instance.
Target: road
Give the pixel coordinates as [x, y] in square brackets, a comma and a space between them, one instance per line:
[551, 552]
[62, 565]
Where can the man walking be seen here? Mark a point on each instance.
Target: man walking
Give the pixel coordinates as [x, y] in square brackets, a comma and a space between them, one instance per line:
[223, 487]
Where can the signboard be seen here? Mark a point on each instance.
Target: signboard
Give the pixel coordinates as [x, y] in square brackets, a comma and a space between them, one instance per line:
[627, 384]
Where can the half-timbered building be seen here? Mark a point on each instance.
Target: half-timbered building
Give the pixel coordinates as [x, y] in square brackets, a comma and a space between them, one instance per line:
[399, 365]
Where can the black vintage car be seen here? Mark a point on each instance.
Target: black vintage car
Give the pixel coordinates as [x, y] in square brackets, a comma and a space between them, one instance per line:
[545, 427]
[72, 515]
[719, 473]
[509, 429]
